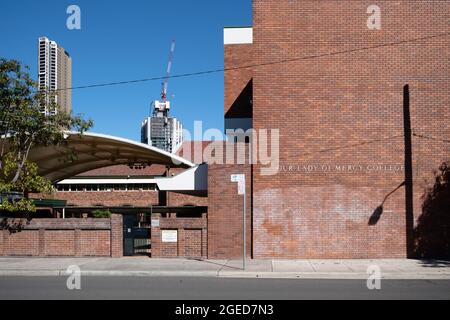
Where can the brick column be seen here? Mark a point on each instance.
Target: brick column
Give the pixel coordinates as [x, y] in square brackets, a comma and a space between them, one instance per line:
[204, 243]
[181, 243]
[41, 242]
[155, 235]
[116, 235]
[1, 242]
[77, 240]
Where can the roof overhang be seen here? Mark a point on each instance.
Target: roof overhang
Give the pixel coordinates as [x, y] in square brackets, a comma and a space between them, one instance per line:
[83, 152]
[192, 181]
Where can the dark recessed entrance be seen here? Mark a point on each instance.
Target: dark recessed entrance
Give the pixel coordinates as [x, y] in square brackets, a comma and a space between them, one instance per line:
[136, 237]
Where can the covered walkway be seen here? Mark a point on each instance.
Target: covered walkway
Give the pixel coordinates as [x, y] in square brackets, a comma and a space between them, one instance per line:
[83, 152]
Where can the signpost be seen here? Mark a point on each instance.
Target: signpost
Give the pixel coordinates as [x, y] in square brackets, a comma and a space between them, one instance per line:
[240, 179]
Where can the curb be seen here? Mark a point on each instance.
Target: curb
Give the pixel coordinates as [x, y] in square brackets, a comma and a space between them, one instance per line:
[206, 274]
[331, 275]
[29, 273]
[106, 273]
[230, 274]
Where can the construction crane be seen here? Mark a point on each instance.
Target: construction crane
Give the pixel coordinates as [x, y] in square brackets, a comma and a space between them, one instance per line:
[166, 79]
[161, 132]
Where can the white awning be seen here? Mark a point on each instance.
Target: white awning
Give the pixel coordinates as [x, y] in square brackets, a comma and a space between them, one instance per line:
[194, 179]
[83, 152]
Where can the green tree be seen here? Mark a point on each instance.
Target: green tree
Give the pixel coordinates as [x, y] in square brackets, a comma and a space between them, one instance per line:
[23, 126]
[432, 233]
[101, 213]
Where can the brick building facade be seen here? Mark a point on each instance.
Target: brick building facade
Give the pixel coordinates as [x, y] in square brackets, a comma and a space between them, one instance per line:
[336, 91]
[363, 120]
[341, 107]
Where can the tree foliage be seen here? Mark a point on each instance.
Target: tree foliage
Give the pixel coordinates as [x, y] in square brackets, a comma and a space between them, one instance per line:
[432, 233]
[101, 213]
[23, 126]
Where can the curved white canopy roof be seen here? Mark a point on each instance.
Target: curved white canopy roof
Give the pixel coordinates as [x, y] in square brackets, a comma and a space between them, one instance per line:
[88, 151]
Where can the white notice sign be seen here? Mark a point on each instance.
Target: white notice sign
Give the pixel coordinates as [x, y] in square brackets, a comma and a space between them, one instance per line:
[240, 179]
[169, 235]
[237, 177]
[155, 223]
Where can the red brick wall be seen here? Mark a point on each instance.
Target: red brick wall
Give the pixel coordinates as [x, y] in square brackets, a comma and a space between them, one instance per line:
[120, 198]
[180, 200]
[225, 206]
[225, 210]
[107, 198]
[116, 235]
[65, 237]
[236, 80]
[19, 244]
[192, 237]
[95, 242]
[59, 242]
[328, 108]
[193, 242]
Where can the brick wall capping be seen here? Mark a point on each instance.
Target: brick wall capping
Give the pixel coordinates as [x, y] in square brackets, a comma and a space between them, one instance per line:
[63, 224]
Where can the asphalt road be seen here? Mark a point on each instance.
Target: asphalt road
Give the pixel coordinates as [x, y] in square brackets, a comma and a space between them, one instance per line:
[174, 288]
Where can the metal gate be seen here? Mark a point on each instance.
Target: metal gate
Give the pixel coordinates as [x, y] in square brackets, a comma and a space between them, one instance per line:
[136, 240]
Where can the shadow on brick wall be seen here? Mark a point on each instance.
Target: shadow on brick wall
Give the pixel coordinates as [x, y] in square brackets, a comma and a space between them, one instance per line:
[432, 233]
[14, 222]
[242, 106]
[376, 215]
[407, 183]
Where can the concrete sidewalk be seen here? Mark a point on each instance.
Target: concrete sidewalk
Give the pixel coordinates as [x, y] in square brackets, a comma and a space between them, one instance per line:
[296, 269]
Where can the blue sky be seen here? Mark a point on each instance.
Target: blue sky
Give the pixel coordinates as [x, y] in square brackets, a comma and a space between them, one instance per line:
[126, 40]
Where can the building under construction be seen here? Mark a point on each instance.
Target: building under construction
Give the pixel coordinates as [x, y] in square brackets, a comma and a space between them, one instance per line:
[160, 130]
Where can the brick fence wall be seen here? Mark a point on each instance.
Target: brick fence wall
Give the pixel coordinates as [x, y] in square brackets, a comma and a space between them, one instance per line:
[64, 237]
[191, 234]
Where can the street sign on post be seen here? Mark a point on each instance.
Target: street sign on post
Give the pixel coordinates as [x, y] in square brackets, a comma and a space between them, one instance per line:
[240, 179]
[237, 177]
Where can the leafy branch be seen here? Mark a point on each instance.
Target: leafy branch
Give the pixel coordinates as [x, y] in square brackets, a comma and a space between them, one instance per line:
[24, 126]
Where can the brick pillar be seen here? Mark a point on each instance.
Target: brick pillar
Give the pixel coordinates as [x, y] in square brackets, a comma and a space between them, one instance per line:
[181, 243]
[41, 242]
[2, 242]
[77, 240]
[116, 235]
[155, 237]
[204, 243]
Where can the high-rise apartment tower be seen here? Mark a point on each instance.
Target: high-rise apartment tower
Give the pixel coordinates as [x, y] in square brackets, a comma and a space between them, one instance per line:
[55, 74]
